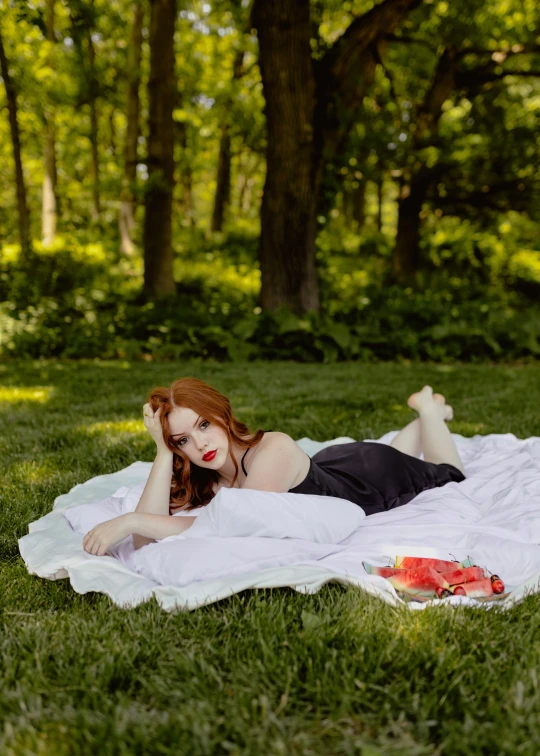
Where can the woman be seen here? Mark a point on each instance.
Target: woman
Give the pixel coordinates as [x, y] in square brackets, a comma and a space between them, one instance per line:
[199, 441]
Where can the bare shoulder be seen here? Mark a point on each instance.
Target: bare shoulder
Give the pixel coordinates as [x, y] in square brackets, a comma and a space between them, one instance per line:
[274, 448]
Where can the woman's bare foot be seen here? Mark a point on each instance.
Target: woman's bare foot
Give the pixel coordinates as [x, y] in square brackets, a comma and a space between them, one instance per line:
[426, 399]
[446, 410]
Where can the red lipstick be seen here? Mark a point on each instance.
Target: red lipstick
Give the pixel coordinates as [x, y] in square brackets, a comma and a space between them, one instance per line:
[209, 455]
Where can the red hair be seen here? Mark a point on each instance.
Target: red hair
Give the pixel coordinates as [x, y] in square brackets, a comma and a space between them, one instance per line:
[191, 486]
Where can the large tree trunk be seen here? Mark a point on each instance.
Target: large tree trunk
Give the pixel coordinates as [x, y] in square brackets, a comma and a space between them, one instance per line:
[310, 109]
[406, 260]
[24, 215]
[223, 180]
[126, 219]
[49, 209]
[288, 213]
[158, 254]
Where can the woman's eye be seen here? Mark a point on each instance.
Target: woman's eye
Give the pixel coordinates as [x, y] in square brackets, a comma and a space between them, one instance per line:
[200, 426]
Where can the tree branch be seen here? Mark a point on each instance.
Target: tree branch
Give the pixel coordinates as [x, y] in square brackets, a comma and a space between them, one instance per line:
[478, 76]
[361, 33]
[409, 41]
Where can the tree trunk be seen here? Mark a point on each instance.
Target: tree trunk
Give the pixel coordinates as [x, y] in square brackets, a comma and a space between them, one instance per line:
[406, 259]
[48, 195]
[359, 205]
[311, 106]
[288, 212]
[354, 205]
[380, 184]
[158, 254]
[223, 180]
[24, 215]
[126, 219]
[94, 133]
[49, 208]
[184, 167]
[406, 251]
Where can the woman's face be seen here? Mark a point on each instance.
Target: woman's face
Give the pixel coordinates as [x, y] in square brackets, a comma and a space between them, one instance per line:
[196, 436]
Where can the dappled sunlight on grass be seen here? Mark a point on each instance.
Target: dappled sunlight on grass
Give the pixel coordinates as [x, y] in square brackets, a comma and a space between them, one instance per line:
[32, 472]
[13, 394]
[120, 426]
[444, 368]
[467, 429]
[400, 408]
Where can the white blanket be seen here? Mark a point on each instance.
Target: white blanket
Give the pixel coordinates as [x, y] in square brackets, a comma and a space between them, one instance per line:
[493, 517]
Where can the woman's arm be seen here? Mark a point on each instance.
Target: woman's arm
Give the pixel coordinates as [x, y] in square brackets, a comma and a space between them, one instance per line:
[155, 526]
[157, 493]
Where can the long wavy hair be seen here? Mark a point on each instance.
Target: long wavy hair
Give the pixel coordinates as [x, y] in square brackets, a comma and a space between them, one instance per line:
[191, 486]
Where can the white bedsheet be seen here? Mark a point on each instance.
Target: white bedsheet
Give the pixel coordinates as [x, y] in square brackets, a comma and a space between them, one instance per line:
[493, 517]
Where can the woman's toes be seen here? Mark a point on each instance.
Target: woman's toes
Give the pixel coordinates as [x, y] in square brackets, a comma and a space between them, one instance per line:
[448, 412]
[439, 399]
[421, 398]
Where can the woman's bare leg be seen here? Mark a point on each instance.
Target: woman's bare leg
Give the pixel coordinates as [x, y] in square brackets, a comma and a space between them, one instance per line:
[409, 439]
[437, 442]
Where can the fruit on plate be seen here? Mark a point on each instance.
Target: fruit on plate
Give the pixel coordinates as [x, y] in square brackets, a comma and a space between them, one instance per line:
[413, 563]
[384, 572]
[476, 589]
[423, 582]
[497, 584]
[465, 575]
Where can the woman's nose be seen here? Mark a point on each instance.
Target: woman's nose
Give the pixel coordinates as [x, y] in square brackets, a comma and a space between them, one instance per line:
[201, 443]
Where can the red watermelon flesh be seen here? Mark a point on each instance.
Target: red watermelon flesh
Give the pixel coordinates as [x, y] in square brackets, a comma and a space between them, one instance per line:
[384, 572]
[465, 575]
[476, 589]
[439, 565]
[423, 582]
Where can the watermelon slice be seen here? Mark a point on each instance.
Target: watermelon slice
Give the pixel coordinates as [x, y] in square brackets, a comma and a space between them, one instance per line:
[424, 582]
[466, 575]
[413, 563]
[476, 589]
[384, 572]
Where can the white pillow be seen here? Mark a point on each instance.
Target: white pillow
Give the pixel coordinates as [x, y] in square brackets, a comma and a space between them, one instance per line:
[237, 512]
[179, 561]
[84, 517]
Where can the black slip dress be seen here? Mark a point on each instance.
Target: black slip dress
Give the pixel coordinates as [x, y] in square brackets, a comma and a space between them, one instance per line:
[375, 476]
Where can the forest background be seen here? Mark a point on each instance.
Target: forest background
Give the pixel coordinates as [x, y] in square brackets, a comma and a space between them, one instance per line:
[315, 181]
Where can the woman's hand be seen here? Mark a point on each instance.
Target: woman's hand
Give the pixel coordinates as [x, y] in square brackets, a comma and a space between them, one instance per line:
[152, 423]
[101, 538]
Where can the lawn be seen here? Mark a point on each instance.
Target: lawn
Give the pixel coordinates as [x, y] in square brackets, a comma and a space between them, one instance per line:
[263, 672]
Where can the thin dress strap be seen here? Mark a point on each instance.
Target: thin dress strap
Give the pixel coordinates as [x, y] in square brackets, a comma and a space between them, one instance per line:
[246, 451]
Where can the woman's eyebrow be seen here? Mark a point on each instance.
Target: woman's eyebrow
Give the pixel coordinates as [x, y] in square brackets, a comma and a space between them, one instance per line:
[182, 434]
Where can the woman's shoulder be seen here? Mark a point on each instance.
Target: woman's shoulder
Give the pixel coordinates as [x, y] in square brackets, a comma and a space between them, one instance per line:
[276, 442]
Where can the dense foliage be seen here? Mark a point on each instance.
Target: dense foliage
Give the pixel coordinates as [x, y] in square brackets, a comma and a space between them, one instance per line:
[475, 283]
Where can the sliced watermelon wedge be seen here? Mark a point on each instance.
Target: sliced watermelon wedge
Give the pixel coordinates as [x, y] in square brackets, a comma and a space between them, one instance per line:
[466, 575]
[423, 582]
[476, 589]
[384, 572]
[413, 563]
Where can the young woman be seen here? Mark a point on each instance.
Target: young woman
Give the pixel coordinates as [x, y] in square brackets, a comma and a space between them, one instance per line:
[199, 441]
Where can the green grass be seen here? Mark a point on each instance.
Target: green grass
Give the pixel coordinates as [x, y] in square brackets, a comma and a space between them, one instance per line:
[263, 672]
